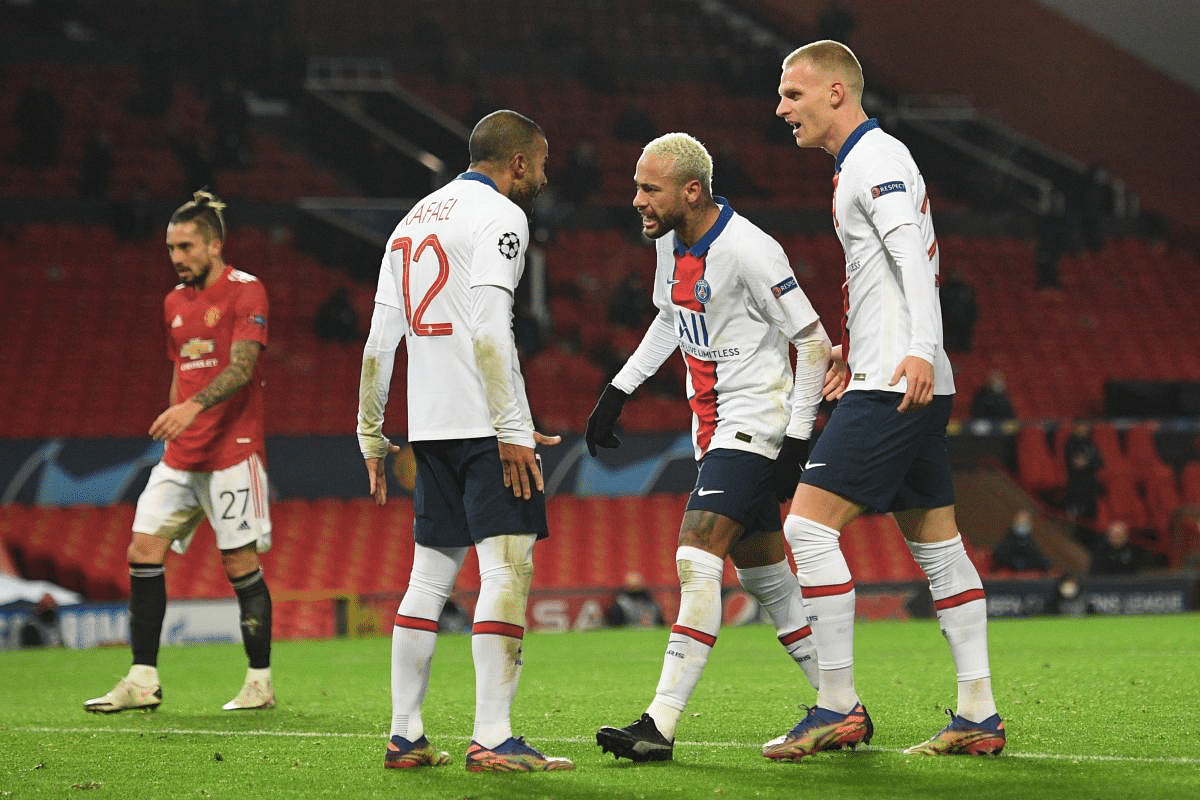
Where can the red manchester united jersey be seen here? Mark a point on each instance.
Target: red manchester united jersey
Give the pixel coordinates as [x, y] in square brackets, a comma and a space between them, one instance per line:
[202, 325]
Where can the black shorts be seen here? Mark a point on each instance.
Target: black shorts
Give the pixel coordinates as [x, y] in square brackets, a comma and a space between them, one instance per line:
[879, 458]
[737, 484]
[460, 497]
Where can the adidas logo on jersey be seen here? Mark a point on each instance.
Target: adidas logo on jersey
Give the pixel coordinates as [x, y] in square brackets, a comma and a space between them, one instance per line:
[245, 526]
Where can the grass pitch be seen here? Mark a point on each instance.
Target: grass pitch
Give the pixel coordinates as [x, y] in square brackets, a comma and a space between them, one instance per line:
[1095, 708]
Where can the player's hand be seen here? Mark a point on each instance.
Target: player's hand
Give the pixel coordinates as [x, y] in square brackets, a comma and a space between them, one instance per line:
[599, 431]
[835, 376]
[788, 466]
[377, 474]
[522, 471]
[919, 373]
[175, 420]
[549, 441]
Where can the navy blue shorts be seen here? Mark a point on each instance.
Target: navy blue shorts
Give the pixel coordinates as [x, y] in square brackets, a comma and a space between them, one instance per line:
[879, 458]
[737, 484]
[460, 497]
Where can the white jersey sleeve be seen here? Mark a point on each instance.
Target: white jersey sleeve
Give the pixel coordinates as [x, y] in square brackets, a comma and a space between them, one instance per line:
[883, 219]
[658, 344]
[379, 355]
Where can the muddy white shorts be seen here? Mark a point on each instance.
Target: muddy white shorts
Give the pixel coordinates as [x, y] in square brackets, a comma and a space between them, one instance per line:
[234, 499]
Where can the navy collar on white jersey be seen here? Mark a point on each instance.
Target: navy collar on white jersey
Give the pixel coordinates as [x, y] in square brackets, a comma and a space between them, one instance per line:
[852, 140]
[478, 176]
[705, 242]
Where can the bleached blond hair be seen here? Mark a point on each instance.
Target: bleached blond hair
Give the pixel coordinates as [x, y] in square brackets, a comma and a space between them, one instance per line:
[692, 161]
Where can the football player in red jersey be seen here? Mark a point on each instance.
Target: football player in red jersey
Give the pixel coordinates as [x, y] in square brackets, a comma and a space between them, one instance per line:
[216, 322]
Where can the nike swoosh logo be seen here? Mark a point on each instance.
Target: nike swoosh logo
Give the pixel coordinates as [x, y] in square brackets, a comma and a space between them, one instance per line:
[671, 281]
[811, 465]
[706, 492]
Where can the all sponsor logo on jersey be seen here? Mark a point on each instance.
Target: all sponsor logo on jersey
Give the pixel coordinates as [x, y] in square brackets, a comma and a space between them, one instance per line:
[212, 316]
[692, 328]
[785, 286]
[196, 348]
[703, 291]
[887, 188]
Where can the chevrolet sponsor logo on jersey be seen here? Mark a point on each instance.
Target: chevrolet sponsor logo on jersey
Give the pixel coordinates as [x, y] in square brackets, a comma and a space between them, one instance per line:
[887, 188]
[197, 348]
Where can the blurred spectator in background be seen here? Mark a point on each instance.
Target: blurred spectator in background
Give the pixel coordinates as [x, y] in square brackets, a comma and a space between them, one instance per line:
[230, 119]
[582, 175]
[634, 123]
[95, 173]
[959, 311]
[730, 178]
[634, 606]
[1052, 235]
[39, 120]
[992, 400]
[595, 70]
[156, 87]
[194, 155]
[1083, 462]
[336, 320]
[1017, 550]
[1094, 201]
[42, 628]
[1114, 554]
[630, 304]
[835, 22]
[134, 218]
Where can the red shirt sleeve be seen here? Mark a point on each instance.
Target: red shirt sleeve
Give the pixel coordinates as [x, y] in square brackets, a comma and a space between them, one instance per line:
[251, 308]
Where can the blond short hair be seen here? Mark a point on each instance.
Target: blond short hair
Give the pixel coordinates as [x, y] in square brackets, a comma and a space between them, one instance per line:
[834, 59]
[692, 161]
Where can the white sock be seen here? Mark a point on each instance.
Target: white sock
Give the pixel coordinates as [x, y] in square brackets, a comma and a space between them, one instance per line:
[961, 610]
[143, 675]
[505, 572]
[829, 590]
[778, 592]
[259, 675]
[692, 636]
[414, 634]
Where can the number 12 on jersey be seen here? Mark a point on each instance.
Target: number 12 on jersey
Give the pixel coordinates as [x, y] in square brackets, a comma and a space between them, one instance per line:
[412, 257]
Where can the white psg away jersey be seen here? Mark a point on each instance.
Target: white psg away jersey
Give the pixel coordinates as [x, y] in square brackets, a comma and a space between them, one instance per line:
[732, 305]
[464, 235]
[878, 188]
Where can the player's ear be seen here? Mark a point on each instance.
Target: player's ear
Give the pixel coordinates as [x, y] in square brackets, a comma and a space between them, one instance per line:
[837, 94]
[518, 164]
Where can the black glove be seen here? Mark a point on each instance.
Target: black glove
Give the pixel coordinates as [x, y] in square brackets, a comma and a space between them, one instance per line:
[788, 466]
[599, 432]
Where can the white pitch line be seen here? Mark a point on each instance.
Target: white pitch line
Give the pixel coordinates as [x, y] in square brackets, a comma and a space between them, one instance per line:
[1182, 760]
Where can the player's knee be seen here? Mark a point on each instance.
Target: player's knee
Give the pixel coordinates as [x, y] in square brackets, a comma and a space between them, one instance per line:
[695, 565]
[816, 551]
[240, 561]
[146, 549]
[507, 561]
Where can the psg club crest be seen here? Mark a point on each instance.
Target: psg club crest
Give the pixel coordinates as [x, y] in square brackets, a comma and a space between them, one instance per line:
[703, 291]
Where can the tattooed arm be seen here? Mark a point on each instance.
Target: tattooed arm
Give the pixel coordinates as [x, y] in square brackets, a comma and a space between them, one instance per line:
[243, 355]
